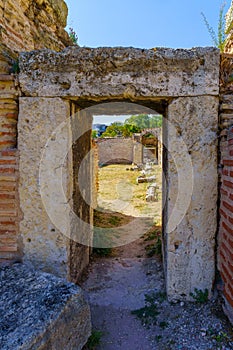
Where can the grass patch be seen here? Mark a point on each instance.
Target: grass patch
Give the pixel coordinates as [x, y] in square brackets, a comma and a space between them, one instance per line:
[116, 183]
[94, 340]
[148, 314]
[154, 249]
[153, 236]
[163, 324]
[158, 338]
[107, 219]
[103, 252]
[220, 337]
[200, 296]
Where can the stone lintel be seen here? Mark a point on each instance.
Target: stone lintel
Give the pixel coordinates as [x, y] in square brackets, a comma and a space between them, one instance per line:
[120, 73]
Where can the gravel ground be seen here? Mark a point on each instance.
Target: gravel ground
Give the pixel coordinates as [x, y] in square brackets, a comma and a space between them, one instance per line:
[118, 286]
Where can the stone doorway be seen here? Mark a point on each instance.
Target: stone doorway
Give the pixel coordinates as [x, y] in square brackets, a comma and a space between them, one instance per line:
[180, 84]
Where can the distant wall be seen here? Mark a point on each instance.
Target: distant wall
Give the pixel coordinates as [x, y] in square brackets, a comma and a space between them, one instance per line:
[115, 150]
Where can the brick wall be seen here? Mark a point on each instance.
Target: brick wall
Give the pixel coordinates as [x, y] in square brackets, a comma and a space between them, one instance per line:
[10, 248]
[25, 25]
[225, 235]
[225, 261]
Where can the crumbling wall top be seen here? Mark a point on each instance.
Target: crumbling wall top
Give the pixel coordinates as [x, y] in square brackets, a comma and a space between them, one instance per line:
[27, 25]
[121, 72]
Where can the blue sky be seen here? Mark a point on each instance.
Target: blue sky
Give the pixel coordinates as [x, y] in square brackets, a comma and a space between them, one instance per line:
[144, 24]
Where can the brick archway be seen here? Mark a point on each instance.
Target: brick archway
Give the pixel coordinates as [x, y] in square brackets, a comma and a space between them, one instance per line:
[180, 84]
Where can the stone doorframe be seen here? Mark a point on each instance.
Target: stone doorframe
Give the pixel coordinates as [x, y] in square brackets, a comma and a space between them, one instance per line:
[183, 85]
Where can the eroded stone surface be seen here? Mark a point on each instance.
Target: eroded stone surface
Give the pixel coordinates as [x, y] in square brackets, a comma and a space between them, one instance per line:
[44, 245]
[55, 191]
[28, 25]
[41, 311]
[190, 243]
[120, 72]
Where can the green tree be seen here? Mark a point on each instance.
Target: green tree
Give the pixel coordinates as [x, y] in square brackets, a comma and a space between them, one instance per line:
[113, 130]
[130, 129]
[118, 129]
[145, 121]
[94, 134]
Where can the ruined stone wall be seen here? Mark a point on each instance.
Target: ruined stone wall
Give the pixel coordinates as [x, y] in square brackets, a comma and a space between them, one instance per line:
[24, 26]
[27, 25]
[182, 85]
[115, 150]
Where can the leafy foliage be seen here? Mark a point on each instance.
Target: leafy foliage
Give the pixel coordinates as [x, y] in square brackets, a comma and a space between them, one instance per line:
[15, 67]
[73, 36]
[147, 314]
[113, 130]
[219, 39]
[119, 129]
[129, 130]
[94, 340]
[102, 251]
[200, 296]
[134, 124]
[145, 121]
[94, 134]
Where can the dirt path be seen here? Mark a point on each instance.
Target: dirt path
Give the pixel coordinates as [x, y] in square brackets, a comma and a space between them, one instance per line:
[127, 290]
[117, 285]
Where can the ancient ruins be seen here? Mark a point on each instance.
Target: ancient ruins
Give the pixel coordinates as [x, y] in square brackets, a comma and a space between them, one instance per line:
[50, 90]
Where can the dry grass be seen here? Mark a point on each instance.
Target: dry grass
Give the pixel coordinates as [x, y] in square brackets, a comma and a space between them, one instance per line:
[110, 219]
[119, 192]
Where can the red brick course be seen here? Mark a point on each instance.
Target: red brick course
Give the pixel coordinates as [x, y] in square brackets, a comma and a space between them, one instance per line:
[9, 198]
[225, 249]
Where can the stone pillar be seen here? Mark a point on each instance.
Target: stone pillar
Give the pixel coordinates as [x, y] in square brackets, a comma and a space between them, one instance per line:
[44, 244]
[137, 152]
[190, 136]
[83, 183]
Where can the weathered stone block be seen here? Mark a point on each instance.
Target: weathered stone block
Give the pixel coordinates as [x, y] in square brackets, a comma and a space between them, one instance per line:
[44, 245]
[191, 139]
[120, 72]
[41, 311]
